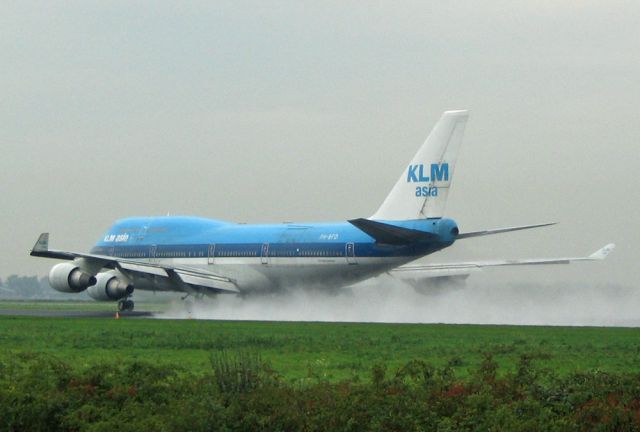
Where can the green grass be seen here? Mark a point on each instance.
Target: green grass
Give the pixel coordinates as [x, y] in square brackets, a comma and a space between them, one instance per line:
[332, 351]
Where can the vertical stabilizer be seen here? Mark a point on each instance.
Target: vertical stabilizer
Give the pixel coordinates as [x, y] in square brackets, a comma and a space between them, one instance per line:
[422, 189]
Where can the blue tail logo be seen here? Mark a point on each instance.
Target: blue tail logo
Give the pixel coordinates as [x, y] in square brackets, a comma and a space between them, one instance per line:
[437, 172]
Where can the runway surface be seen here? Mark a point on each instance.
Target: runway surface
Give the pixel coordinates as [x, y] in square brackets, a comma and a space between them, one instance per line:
[72, 313]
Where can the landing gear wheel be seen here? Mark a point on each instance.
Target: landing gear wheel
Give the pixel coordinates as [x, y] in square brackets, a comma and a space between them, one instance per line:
[188, 305]
[125, 305]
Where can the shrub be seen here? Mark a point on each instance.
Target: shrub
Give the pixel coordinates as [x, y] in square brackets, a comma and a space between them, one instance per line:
[241, 392]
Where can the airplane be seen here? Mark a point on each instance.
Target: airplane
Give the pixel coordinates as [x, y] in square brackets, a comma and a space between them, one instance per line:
[199, 256]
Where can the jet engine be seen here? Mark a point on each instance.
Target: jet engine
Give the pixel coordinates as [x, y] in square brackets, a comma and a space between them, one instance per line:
[69, 278]
[110, 286]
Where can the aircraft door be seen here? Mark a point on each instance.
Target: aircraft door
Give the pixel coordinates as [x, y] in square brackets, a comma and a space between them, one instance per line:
[152, 253]
[349, 252]
[264, 253]
[211, 254]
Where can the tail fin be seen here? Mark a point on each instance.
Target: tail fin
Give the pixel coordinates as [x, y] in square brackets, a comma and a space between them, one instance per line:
[422, 189]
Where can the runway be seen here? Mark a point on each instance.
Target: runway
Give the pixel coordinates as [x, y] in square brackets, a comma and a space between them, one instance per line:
[72, 313]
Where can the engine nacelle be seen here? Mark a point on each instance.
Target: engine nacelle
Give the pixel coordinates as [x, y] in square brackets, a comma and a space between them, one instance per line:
[110, 286]
[69, 278]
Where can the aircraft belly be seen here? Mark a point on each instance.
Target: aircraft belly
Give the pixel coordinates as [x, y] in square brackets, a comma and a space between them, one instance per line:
[250, 274]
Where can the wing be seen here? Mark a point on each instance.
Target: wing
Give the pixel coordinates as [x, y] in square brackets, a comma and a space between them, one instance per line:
[456, 269]
[183, 278]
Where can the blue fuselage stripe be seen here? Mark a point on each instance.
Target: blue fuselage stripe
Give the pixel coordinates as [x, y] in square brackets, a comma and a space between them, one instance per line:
[188, 237]
[255, 250]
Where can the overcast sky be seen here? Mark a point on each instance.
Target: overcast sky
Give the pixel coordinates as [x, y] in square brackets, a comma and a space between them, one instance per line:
[309, 111]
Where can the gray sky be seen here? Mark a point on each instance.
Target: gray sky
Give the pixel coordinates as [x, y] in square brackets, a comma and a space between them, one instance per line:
[256, 111]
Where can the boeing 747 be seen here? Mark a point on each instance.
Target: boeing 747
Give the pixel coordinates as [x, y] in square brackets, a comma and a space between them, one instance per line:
[208, 257]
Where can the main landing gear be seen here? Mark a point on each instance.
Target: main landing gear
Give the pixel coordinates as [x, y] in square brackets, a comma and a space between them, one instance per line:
[189, 301]
[125, 305]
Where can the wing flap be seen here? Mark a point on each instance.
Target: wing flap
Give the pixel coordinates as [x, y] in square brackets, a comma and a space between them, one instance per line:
[142, 268]
[215, 283]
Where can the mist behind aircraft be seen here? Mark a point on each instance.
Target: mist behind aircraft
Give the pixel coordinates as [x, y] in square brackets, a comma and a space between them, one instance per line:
[485, 299]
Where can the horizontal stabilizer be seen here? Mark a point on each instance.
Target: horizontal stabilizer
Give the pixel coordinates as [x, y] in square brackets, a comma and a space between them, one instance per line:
[390, 234]
[501, 230]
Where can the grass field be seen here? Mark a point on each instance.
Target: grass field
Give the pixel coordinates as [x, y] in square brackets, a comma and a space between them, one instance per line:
[173, 375]
[330, 351]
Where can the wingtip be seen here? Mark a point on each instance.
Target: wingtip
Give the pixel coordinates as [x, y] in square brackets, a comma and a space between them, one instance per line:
[459, 113]
[603, 252]
[42, 244]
